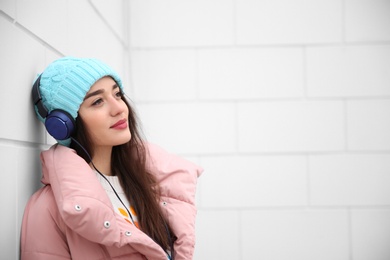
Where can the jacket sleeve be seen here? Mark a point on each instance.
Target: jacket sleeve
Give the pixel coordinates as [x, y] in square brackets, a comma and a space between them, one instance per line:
[42, 237]
[177, 179]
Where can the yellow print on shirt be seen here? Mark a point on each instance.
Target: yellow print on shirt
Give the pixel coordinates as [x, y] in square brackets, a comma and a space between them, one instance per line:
[127, 217]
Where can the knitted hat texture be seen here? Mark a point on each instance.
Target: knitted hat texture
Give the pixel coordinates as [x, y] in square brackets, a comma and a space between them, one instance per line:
[66, 81]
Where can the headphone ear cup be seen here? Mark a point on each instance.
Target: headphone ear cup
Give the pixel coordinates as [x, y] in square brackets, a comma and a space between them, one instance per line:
[59, 124]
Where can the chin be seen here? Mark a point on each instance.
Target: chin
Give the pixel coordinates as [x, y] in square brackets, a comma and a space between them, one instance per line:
[123, 140]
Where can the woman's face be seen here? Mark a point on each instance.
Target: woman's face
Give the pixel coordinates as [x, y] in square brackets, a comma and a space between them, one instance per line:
[105, 114]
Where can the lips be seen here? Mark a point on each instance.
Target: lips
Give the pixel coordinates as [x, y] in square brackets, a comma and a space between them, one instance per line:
[121, 124]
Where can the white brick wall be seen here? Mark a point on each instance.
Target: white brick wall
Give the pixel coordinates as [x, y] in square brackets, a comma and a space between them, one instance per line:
[283, 22]
[371, 233]
[291, 126]
[349, 179]
[250, 73]
[253, 181]
[368, 123]
[173, 23]
[348, 71]
[286, 104]
[295, 234]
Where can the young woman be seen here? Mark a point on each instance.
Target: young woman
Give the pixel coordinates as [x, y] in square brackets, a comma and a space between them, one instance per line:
[107, 193]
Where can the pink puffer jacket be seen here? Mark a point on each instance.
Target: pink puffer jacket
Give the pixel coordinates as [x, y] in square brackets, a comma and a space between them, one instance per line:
[71, 217]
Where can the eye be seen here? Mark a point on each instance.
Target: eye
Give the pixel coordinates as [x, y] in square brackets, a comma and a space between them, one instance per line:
[119, 94]
[97, 102]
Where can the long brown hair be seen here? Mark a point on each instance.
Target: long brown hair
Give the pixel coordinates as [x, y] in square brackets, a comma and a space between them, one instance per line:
[128, 162]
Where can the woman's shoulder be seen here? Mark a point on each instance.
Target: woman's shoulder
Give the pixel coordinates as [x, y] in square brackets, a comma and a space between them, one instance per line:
[42, 204]
[42, 231]
[176, 176]
[41, 211]
[161, 161]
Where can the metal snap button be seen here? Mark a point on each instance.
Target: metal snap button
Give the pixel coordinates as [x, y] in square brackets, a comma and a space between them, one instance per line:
[107, 224]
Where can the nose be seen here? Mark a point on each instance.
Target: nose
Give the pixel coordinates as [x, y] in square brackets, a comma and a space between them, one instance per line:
[117, 106]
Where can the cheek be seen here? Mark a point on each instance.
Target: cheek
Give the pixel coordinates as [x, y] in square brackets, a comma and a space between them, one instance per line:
[89, 120]
[92, 123]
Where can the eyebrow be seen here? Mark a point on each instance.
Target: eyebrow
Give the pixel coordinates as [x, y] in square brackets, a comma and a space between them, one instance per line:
[97, 92]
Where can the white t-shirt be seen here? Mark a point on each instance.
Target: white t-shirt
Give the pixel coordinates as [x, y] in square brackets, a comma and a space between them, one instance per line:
[116, 203]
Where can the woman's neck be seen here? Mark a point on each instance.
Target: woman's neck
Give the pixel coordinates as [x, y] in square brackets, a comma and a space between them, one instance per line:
[102, 160]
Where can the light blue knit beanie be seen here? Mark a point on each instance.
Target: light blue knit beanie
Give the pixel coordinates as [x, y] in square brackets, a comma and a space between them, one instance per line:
[66, 81]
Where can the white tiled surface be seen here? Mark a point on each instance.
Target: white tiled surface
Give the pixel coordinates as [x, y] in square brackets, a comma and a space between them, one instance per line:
[254, 181]
[291, 126]
[284, 103]
[114, 13]
[215, 235]
[90, 36]
[156, 23]
[50, 26]
[164, 75]
[8, 202]
[371, 234]
[369, 124]
[367, 20]
[8, 7]
[295, 234]
[251, 73]
[350, 179]
[289, 22]
[205, 128]
[349, 71]
[18, 119]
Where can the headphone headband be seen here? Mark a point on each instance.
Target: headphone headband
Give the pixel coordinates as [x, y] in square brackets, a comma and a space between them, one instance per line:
[37, 98]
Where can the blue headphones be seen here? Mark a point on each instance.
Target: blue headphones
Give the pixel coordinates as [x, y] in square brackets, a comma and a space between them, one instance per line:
[58, 123]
